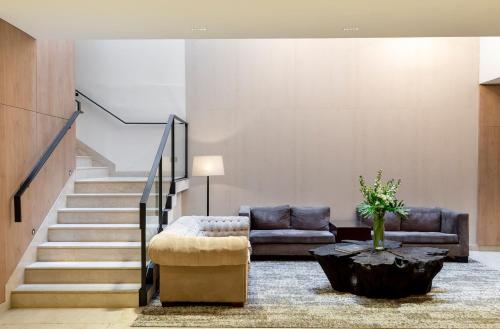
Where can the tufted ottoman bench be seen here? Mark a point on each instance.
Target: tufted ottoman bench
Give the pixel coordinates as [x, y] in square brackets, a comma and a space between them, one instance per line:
[203, 259]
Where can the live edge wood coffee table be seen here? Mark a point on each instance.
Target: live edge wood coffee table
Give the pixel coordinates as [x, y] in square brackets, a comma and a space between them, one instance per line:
[353, 266]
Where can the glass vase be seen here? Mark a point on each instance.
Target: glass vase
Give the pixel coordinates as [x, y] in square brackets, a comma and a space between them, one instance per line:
[378, 232]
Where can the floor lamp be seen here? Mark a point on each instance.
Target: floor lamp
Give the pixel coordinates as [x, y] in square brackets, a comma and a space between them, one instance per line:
[208, 165]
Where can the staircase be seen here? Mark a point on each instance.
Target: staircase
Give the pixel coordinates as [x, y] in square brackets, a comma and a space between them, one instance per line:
[92, 255]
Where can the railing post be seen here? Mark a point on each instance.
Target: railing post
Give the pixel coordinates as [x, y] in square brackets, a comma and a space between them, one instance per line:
[160, 195]
[143, 294]
[172, 158]
[146, 269]
[186, 150]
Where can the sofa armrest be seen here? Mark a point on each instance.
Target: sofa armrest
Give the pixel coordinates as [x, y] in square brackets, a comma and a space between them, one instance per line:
[456, 223]
[331, 227]
[244, 211]
[172, 250]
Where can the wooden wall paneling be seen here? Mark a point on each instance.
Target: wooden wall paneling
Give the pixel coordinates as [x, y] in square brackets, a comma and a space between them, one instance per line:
[19, 152]
[55, 78]
[17, 67]
[36, 95]
[4, 213]
[488, 227]
[39, 197]
[489, 99]
[56, 171]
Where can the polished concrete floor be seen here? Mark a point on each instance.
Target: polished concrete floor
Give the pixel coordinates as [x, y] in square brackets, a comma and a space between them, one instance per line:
[121, 318]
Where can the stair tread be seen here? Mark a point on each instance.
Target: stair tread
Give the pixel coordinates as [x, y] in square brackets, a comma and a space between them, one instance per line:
[85, 265]
[112, 179]
[77, 287]
[94, 226]
[89, 245]
[108, 194]
[101, 209]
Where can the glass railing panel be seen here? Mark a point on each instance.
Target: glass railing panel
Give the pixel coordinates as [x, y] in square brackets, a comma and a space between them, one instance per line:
[180, 150]
[152, 210]
[166, 160]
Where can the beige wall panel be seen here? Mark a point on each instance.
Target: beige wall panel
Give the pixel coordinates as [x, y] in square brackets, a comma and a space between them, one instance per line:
[298, 120]
[55, 78]
[17, 67]
[489, 167]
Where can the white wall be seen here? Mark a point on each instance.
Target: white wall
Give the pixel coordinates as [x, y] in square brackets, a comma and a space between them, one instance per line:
[138, 80]
[298, 120]
[489, 69]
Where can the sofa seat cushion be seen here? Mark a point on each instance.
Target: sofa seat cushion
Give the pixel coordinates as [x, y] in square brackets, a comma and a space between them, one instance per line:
[422, 237]
[270, 218]
[291, 236]
[172, 250]
[310, 218]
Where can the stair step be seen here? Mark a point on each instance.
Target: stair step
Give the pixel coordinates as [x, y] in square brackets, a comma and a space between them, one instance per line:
[89, 251]
[83, 272]
[83, 161]
[92, 172]
[115, 185]
[76, 295]
[103, 215]
[110, 200]
[98, 216]
[94, 232]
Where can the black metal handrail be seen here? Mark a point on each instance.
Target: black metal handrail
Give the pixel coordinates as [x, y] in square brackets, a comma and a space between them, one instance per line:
[39, 164]
[79, 93]
[157, 167]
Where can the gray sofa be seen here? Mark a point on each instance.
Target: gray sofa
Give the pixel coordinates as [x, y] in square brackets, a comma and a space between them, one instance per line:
[288, 231]
[434, 227]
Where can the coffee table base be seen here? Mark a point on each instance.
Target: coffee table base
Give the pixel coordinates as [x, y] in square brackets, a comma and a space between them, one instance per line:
[392, 273]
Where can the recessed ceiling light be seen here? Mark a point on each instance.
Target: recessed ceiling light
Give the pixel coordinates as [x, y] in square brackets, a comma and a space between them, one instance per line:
[199, 29]
[351, 29]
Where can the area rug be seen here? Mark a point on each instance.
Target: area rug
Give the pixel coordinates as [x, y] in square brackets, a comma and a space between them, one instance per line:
[296, 294]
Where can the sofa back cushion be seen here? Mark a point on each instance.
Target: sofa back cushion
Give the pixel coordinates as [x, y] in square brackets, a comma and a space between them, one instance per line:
[310, 218]
[422, 220]
[392, 222]
[270, 218]
[217, 226]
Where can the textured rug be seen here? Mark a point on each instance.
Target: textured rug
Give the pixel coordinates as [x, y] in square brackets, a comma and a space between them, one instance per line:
[296, 294]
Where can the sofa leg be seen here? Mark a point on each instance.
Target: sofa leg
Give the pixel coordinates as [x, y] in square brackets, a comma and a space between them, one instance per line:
[172, 304]
[461, 259]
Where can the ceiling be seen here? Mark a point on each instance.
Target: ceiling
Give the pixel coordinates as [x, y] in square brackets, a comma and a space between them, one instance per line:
[109, 19]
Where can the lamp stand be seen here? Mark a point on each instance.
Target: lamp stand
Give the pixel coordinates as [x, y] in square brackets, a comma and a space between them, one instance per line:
[208, 195]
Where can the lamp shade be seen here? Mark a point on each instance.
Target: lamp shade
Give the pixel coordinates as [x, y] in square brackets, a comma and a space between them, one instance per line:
[208, 165]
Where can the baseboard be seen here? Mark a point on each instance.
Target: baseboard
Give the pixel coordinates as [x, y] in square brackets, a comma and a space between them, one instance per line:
[487, 248]
[30, 255]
